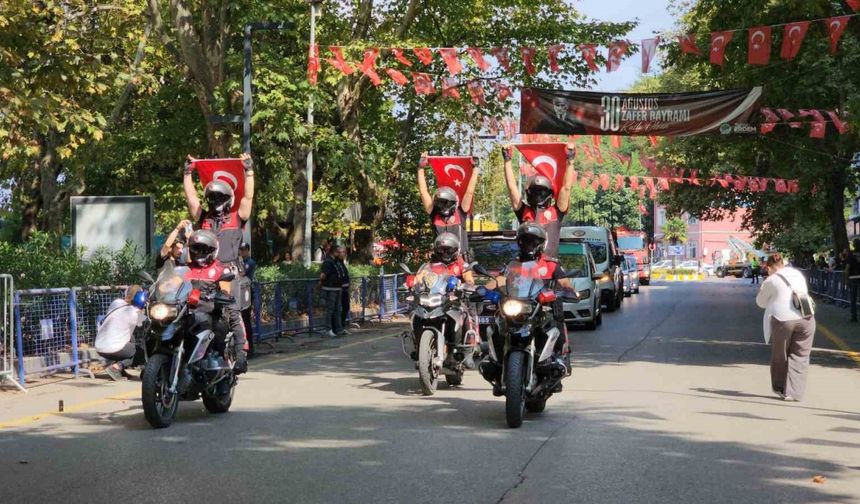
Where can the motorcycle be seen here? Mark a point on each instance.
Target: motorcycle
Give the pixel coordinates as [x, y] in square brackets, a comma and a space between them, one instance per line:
[444, 332]
[525, 365]
[189, 348]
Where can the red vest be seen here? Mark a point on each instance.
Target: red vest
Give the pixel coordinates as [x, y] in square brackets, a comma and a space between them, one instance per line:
[229, 233]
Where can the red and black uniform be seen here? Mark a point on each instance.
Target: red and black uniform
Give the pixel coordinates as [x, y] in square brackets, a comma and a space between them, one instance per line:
[548, 218]
[455, 268]
[228, 229]
[205, 279]
[455, 223]
[545, 268]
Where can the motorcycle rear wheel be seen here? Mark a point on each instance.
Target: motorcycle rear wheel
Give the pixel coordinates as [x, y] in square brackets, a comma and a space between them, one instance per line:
[515, 390]
[159, 405]
[427, 372]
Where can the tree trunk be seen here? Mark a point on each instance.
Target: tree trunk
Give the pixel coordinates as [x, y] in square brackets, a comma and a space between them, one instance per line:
[838, 226]
[296, 232]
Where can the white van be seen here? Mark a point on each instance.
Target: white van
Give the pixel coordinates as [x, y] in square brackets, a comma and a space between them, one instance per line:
[606, 260]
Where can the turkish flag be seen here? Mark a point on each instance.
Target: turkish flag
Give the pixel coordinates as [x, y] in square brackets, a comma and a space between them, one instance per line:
[452, 171]
[819, 123]
[835, 27]
[617, 50]
[528, 54]
[229, 170]
[589, 53]
[313, 63]
[397, 76]
[642, 209]
[424, 54]
[503, 90]
[770, 120]
[792, 38]
[634, 182]
[451, 59]
[616, 141]
[368, 66]
[786, 115]
[338, 61]
[501, 54]
[398, 54]
[476, 91]
[596, 140]
[449, 88]
[759, 45]
[688, 44]
[649, 50]
[552, 53]
[653, 140]
[619, 182]
[854, 4]
[548, 159]
[837, 122]
[780, 185]
[719, 41]
[526, 169]
[664, 184]
[423, 83]
[478, 57]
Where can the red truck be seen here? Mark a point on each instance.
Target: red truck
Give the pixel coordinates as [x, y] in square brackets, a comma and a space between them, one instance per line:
[635, 243]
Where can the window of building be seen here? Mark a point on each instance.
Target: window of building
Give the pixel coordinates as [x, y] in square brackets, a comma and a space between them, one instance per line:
[661, 217]
[692, 220]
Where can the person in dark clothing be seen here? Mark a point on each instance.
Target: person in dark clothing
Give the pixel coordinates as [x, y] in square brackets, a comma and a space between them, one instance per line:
[248, 314]
[173, 246]
[447, 213]
[344, 297]
[853, 271]
[331, 279]
[538, 205]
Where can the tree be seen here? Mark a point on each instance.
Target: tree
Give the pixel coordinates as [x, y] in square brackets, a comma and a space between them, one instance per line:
[675, 230]
[815, 79]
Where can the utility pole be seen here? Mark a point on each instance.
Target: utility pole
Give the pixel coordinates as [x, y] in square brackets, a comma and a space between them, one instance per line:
[309, 168]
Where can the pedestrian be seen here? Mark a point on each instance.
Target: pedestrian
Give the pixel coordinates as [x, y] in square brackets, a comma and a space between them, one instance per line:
[247, 314]
[853, 269]
[115, 334]
[332, 291]
[755, 268]
[322, 251]
[789, 322]
[174, 246]
[344, 296]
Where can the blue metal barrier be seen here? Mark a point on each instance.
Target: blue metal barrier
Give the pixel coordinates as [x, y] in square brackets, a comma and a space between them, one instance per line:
[46, 331]
[831, 286]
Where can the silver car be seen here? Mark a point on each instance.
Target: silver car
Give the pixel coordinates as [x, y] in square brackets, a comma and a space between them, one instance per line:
[583, 305]
[631, 275]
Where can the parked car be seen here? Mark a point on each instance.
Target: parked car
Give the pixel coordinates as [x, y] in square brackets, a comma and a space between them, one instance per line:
[702, 268]
[583, 305]
[606, 259]
[631, 277]
[661, 265]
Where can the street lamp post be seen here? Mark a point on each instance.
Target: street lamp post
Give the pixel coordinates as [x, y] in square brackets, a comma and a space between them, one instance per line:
[309, 167]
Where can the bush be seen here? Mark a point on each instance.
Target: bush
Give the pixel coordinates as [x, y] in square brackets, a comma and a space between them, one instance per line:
[39, 263]
[285, 271]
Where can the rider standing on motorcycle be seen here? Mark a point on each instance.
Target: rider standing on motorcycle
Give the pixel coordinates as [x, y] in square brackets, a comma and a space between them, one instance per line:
[447, 213]
[538, 206]
[226, 224]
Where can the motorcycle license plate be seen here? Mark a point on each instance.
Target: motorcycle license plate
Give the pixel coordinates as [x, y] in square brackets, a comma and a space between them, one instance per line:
[485, 319]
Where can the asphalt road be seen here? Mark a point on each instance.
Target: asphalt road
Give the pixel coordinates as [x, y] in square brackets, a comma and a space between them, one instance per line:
[669, 402]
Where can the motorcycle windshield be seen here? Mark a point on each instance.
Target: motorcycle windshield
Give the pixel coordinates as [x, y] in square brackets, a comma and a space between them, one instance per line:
[171, 287]
[523, 280]
[432, 279]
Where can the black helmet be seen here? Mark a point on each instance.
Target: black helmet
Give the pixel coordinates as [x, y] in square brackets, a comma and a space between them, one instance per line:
[203, 247]
[446, 247]
[445, 201]
[539, 191]
[531, 239]
[219, 196]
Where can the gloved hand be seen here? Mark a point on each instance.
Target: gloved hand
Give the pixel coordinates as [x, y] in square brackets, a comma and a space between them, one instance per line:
[189, 165]
[247, 162]
[507, 152]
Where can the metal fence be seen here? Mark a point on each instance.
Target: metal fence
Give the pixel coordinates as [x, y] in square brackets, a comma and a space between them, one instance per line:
[832, 286]
[55, 329]
[7, 330]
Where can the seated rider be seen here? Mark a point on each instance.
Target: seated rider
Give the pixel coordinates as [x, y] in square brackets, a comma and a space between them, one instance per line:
[447, 257]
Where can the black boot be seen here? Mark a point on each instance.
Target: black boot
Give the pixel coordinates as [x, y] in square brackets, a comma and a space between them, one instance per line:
[241, 364]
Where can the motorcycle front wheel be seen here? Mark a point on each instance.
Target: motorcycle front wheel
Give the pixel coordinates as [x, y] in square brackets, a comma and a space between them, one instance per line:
[515, 390]
[427, 371]
[159, 405]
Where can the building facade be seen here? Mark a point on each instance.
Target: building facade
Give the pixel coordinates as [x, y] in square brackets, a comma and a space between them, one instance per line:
[707, 241]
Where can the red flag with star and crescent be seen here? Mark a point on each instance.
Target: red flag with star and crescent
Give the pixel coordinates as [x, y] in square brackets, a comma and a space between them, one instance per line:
[548, 159]
[229, 170]
[452, 171]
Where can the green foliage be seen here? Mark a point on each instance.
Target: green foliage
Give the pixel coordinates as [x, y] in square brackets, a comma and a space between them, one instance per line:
[675, 230]
[284, 271]
[38, 264]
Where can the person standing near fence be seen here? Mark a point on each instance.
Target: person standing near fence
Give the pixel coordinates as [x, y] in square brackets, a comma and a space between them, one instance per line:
[853, 271]
[789, 325]
[331, 283]
[247, 313]
[344, 297]
[115, 335]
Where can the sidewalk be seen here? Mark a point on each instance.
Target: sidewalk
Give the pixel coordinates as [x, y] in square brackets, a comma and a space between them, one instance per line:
[834, 325]
[44, 396]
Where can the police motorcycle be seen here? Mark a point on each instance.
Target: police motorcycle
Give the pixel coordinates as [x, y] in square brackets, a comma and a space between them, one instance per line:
[444, 337]
[189, 348]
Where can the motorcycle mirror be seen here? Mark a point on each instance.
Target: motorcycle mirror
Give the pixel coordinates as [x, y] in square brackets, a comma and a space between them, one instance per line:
[145, 276]
[405, 269]
[477, 268]
[227, 277]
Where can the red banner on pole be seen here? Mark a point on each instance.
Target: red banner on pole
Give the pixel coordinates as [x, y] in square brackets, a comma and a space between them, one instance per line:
[792, 38]
[719, 41]
[759, 45]
[549, 159]
[229, 170]
[452, 171]
[835, 27]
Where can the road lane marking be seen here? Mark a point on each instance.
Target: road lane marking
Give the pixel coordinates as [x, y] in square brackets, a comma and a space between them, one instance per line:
[839, 342]
[29, 419]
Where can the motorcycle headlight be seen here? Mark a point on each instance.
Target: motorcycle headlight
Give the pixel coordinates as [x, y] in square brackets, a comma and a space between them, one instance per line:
[512, 307]
[431, 301]
[162, 313]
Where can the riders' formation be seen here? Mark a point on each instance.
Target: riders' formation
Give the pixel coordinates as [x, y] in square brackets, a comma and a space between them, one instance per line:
[524, 352]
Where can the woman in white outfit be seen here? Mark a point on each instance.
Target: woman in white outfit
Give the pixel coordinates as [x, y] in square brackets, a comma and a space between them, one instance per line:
[791, 333]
